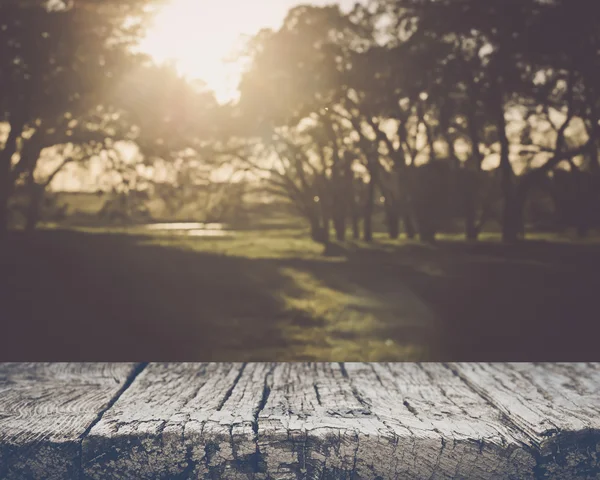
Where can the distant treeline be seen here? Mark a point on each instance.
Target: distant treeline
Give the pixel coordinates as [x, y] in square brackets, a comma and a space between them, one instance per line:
[427, 113]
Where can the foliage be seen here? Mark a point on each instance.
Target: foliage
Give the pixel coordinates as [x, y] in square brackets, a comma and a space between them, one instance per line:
[432, 111]
[398, 90]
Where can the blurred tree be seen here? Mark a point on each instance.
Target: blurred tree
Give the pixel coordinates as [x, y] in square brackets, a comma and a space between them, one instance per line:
[501, 57]
[58, 62]
[296, 78]
[35, 186]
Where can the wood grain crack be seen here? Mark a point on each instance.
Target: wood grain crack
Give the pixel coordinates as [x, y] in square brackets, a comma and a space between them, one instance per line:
[508, 422]
[137, 369]
[265, 421]
[233, 385]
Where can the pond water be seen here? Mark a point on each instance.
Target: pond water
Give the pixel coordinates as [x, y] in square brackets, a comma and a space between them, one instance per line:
[191, 229]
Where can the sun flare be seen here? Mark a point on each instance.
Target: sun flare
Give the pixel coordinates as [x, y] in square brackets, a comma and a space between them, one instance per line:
[200, 37]
[191, 34]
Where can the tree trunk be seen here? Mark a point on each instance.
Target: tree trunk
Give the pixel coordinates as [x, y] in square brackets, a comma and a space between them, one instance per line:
[392, 219]
[406, 210]
[354, 216]
[368, 213]
[339, 225]
[6, 186]
[4, 195]
[470, 207]
[315, 215]
[473, 165]
[326, 228]
[513, 222]
[409, 226]
[471, 232]
[354, 213]
[583, 213]
[317, 232]
[510, 221]
[394, 227]
[425, 223]
[36, 196]
[33, 212]
[338, 207]
[510, 230]
[339, 212]
[355, 226]
[325, 215]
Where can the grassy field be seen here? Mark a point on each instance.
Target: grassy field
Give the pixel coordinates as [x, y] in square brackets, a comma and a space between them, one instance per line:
[271, 294]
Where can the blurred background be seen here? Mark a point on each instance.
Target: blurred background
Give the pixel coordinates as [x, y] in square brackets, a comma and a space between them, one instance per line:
[233, 180]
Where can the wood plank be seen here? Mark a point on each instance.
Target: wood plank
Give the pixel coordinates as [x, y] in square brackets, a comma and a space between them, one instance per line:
[180, 421]
[389, 421]
[45, 409]
[308, 421]
[557, 405]
[293, 421]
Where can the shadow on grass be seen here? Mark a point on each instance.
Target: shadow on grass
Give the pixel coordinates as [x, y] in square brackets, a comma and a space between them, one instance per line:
[530, 301]
[79, 296]
[72, 295]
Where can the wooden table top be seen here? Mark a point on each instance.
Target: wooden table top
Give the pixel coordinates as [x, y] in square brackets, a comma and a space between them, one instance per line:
[295, 421]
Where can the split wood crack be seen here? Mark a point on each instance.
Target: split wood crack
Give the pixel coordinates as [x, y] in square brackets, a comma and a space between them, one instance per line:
[270, 421]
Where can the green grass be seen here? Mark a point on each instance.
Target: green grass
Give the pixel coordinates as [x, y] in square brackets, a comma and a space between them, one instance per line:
[271, 294]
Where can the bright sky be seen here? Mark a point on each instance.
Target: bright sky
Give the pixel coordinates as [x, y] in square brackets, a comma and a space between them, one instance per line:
[199, 34]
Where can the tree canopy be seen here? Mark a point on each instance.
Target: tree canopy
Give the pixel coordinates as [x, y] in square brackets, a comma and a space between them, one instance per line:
[427, 110]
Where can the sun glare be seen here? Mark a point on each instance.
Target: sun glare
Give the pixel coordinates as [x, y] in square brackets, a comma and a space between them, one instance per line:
[199, 36]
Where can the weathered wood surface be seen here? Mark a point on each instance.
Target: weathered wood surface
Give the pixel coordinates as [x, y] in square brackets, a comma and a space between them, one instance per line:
[557, 406]
[296, 421]
[46, 409]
